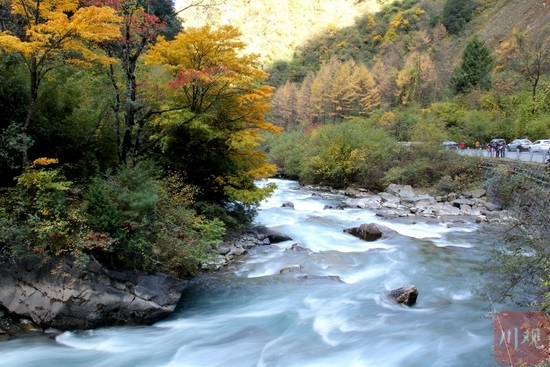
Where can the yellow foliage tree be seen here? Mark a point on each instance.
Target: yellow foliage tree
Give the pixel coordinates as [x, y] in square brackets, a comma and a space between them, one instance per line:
[55, 32]
[221, 90]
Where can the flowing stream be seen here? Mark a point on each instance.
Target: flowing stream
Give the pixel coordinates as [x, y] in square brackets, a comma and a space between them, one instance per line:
[251, 315]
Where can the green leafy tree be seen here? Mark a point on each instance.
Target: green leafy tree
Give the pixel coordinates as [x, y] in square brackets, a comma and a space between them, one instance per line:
[52, 34]
[475, 70]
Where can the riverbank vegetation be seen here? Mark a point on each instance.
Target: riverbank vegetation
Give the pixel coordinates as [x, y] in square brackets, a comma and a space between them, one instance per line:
[126, 140]
[130, 139]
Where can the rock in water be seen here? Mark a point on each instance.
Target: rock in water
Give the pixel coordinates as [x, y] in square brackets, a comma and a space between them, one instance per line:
[59, 294]
[272, 235]
[371, 231]
[406, 295]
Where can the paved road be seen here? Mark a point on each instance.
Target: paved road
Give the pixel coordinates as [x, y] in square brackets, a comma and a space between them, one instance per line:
[524, 156]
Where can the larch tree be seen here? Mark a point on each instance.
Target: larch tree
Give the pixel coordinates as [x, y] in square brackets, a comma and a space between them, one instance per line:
[342, 90]
[223, 102]
[284, 111]
[304, 104]
[415, 80]
[53, 33]
[367, 90]
[320, 92]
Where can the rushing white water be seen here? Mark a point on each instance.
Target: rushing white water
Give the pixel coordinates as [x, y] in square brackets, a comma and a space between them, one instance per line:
[251, 315]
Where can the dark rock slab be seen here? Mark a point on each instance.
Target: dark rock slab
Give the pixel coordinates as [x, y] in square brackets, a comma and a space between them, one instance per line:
[406, 295]
[57, 293]
[272, 235]
[371, 231]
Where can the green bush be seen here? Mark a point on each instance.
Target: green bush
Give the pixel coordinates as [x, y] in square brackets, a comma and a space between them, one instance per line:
[126, 220]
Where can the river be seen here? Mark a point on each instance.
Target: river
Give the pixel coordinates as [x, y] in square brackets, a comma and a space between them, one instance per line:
[251, 315]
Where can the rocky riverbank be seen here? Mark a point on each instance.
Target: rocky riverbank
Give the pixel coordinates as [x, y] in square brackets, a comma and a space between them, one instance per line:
[38, 294]
[404, 201]
[35, 296]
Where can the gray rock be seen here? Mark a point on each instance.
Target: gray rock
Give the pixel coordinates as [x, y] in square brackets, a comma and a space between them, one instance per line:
[58, 294]
[288, 204]
[237, 251]
[223, 250]
[457, 223]
[403, 191]
[405, 295]
[390, 204]
[452, 196]
[487, 205]
[419, 201]
[334, 278]
[297, 247]
[372, 202]
[388, 197]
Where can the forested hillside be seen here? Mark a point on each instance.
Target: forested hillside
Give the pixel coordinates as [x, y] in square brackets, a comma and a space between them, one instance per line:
[422, 71]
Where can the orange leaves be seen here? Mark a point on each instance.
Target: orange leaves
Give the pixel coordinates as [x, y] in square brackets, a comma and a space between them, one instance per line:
[49, 29]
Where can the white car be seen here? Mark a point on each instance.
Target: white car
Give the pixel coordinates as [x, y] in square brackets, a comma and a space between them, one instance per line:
[540, 145]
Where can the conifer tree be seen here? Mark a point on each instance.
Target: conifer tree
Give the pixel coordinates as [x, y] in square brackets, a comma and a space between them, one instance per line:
[456, 13]
[475, 69]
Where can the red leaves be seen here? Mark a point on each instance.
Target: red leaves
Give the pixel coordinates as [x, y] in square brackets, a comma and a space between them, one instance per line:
[99, 241]
[137, 23]
[207, 75]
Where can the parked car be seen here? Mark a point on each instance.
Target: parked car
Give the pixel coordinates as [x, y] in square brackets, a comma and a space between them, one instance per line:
[450, 144]
[519, 144]
[540, 145]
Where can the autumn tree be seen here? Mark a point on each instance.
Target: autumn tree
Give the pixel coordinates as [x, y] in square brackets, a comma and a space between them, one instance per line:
[384, 71]
[342, 91]
[134, 107]
[367, 90]
[219, 89]
[319, 91]
[49, 34]
[416, 79]
[284, 111]
[304, 104]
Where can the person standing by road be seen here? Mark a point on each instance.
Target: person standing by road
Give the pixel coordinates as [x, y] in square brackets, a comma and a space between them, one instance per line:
[495, 149]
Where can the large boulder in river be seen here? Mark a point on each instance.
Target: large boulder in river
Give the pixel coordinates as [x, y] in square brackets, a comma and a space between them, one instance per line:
[371, 231]
[272, 235]
[403, 191]
[59, 294]
[406, 295]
